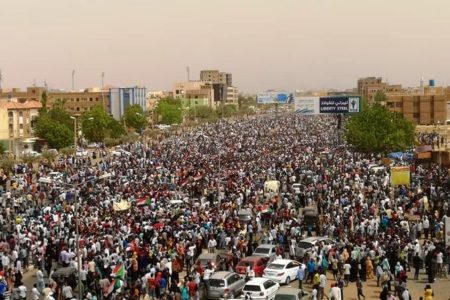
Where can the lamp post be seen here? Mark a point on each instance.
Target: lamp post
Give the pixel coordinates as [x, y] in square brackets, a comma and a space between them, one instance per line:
[74, 132]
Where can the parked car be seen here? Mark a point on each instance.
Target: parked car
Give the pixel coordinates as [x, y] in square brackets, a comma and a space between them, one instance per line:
[289, 293]
[120, 152]
[282, 270]
[260, 288]
[309, 243]
[225, 285]
[245, 215]
[81, 153]
[257, 263]
[266, 250]
[210, 258]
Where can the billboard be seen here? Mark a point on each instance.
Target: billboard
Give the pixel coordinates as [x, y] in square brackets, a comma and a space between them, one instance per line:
[400, 175]
[307, 105]
[275, 97]
[340, 104]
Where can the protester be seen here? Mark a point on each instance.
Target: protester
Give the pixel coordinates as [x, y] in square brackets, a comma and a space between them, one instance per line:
[155, 210]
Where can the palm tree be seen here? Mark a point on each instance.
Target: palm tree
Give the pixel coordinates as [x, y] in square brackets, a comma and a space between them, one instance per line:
[7, 164]
[30, 160]
[49, 156]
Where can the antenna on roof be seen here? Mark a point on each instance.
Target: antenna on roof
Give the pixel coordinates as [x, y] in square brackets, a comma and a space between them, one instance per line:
[103, 79]
[188, 74]
[73, 80]
[45, 84]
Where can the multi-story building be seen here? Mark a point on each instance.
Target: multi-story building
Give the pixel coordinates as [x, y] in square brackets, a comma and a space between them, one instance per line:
[368, 87]
[231, 95]
[195, 92]
[78, 102]
[16, 123]
[121, 98]
[215, 76]
[75, 102]
[421, 109]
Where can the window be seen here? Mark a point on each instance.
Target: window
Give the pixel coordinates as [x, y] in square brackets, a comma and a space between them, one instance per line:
[20, 114]
[90, 99]
[398, 104]
[78, 109]
[416, 115]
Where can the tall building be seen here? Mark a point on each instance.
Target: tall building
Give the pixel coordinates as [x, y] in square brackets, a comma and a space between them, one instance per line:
[215, 76]
[368, 87]
[16, 123]
[121, 98]
[222, 82]
[195, 93]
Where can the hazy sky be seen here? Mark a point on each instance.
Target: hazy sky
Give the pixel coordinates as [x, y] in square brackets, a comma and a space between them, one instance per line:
[266, 44]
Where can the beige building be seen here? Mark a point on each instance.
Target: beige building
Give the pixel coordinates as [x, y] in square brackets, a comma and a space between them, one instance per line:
[369, 86]
[75, 102]
[16, 123]
[232, 95]
[215, 76]
[421, 109]
[195, 92]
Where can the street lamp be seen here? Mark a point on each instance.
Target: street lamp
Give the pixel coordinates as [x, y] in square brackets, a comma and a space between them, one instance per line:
[77, 225]
[74, 132]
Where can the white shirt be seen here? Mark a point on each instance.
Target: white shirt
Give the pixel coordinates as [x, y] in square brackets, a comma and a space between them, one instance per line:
[35, 293]
[336, 293]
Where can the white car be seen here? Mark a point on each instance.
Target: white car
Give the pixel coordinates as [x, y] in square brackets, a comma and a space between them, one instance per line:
[120, 152]
[282, 270]
[260, 288]
[81, 153]
[266, 250]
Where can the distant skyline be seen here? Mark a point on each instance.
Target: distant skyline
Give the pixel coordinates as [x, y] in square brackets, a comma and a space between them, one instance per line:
[265, 44]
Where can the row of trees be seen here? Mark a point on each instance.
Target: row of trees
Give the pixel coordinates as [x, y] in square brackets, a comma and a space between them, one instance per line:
[56, 126]
[171, 111]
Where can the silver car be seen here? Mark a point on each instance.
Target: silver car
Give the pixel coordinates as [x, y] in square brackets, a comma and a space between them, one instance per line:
[225, 285]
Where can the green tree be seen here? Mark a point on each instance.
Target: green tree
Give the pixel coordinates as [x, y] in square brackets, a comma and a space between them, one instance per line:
[98, 125]
[2, 148]
[169, 111]
[44, 100]
[49, 156]
[380, 96]
[135, 117]
[116, 129]
[226, 110]
[377, 130]
[95, 124]
[7, 164]
[51, 127]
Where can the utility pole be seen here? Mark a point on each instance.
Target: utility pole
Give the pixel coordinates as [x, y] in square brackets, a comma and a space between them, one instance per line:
[73, 80]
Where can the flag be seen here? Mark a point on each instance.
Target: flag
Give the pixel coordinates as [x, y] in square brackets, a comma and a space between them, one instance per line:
[110, 288]
[144, 201]
[118, 272]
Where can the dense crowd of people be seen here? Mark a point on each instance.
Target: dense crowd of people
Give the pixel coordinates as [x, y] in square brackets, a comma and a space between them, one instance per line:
[149, 247]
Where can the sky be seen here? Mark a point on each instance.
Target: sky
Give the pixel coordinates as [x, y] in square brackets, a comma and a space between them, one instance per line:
[266, 44]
